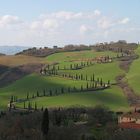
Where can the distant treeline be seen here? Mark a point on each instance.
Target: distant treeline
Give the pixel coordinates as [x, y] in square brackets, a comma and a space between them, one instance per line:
[120, 46]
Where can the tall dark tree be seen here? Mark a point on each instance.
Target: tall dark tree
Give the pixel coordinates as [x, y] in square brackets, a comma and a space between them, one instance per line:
[12, 99]
[93, 77]
[44, 92]
[45, 123]
[62, 90]
[37, 94]
[87, 86]
[48, 67]
[27, 96]
[101, 82]
[86, 78]
[81, 76]
[24, 105]
[29, 106]
[50, 92]
[108, 82]
[69, 89]
[35, 106]
[81, 88]
[71, 66]
[64, 67]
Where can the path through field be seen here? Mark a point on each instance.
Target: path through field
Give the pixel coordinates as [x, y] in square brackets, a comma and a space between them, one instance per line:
[133, 99]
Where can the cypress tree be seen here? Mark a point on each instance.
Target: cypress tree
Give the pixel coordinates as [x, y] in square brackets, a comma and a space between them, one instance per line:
[81, 76]
[27, 96]
[37, 94]
[44, 92]
[87, 86]
[108, 82]
[62, 90]
[95, 85]
[101, 82]
[98, 80]
[11, 100]
[76, 77]
[24, 105]
[33, 96]
[86, 78]
[71, 66]
[77, 66]
[29, 106]
[64, 67]
[81, 88]
[56, 91]
[69, 89]
[93, 77]
[48, 67]
[35, 106]
[50, 92]
[45, 123]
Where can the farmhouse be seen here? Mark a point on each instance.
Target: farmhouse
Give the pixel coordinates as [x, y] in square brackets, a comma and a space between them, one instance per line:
[103, 59]
[129, 120]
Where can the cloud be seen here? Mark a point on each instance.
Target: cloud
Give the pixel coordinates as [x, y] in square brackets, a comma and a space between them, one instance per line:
[86, 29]
[124, 21]
[67, 15]
[97, 13]
[62, 27]
[8, 20]
[105, 23]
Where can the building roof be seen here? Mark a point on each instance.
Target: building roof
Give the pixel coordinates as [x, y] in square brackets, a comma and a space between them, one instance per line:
[129, 125]
[132, 115]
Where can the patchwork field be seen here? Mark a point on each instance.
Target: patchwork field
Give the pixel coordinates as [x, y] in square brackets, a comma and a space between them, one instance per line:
[112, 97]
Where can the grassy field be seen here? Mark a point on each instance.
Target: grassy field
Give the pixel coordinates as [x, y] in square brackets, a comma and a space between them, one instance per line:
[112, 98]
[19, 60]
[107, 71]
[133, 76]
[78, 55]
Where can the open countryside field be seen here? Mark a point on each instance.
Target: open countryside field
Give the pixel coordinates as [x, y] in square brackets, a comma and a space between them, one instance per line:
[112, 97]
[78, 55]
[19, 60]
[133, 76]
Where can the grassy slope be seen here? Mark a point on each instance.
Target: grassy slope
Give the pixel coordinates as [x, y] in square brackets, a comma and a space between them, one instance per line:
[79, 55]
[19, 60]
[106, 71]
[112, 97]
[133, 76]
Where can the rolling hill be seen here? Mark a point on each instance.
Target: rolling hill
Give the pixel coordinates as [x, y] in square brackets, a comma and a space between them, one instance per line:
[33, 83]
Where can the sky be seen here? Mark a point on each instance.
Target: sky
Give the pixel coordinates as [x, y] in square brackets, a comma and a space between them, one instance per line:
[40, 23]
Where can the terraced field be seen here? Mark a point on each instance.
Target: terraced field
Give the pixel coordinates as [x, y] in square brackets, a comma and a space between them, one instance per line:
[31, 84]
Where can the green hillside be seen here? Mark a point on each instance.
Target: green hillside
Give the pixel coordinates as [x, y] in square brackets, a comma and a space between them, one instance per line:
[133, 76]
[112, 97]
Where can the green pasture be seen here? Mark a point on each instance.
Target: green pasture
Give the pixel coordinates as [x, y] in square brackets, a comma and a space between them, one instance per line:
[133, 76]
[112, 98]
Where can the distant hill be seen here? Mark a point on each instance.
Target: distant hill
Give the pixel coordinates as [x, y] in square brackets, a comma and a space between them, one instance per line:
[10, 50]
[120, 46]
[1, 54]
